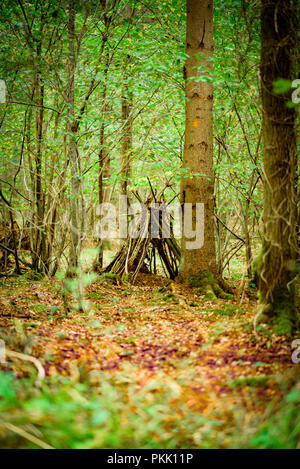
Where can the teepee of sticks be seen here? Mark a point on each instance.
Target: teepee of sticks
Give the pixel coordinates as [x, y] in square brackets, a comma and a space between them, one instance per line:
[154, 239]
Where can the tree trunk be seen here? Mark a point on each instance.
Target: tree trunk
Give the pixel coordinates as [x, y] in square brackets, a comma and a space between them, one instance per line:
[127, 103]
[104, 158]
[126, 154]
[40, 262]
[279, 253]
[73, 150]
[39, 257]
[104, 155]
[198, 146]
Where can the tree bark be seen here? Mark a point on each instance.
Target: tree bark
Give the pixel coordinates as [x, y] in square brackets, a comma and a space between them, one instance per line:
[126, 153]
[40, 262]
[127, 103]
[198, 187]
[277, 267]
[73, 150]
[104, 156]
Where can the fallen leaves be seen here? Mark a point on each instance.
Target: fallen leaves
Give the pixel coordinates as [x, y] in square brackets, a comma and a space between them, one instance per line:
[156, 326]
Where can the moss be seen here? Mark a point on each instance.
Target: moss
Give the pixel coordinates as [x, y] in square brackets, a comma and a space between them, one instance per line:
[252, 381]
[284, 317]
[221, 293]
[281, 312]
[170, 297]
[228, 310]
[206, 284]
[95, 295]
[257, 266]
[209, 295]
[33, 275]
[201, 280]
[109, 278]
[277, 306]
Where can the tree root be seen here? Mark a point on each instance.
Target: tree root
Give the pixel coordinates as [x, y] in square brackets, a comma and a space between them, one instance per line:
[279, 315]
[207, 285]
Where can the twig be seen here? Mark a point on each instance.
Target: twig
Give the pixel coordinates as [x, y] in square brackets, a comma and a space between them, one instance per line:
[34, 105]
[26, 435]
[29, 358]
[230, 231]
[153, 193]
[2, 246]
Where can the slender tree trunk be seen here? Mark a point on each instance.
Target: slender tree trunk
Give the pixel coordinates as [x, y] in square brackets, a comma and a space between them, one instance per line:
[104, 157]
[126, 150]
[104, 173]
[40, 261]
[127, 102]
[248, 250]
[279, 253]
[73, 150]
[198, 146]
[39, 256]
[104, 160]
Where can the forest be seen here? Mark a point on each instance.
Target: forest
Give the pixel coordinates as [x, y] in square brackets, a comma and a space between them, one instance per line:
[149, 224]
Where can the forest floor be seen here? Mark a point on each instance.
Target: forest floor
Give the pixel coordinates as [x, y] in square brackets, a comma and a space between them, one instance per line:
[158, 344]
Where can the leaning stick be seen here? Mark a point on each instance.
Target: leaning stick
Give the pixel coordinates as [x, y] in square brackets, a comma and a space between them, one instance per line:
[26, 435]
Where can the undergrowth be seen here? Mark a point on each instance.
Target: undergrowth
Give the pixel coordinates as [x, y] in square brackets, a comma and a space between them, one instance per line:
[106, 411]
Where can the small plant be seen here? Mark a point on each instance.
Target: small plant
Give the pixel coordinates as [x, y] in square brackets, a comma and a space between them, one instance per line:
[281, 429]
[74, 285]
[251, 381]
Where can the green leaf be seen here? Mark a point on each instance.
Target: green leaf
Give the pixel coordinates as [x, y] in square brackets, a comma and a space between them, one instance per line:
[258, 364]
[281, 86]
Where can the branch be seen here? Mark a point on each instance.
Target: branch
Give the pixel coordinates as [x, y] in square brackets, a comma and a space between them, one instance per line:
[28, 358]
[34, 105]
[16, 190]
[230, 231]
[13, 253]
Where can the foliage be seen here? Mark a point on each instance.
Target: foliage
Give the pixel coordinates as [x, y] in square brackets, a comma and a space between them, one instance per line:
[140, 371]
[154, 363]
[147, 51]
[282, 429]
[114, 414]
